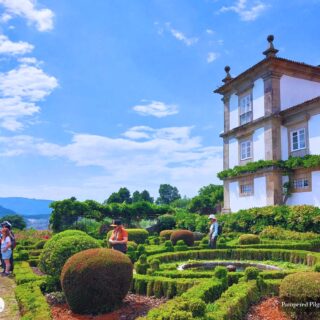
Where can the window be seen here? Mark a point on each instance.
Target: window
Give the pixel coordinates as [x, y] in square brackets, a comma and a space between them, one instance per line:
[301, 182]
[245, 109]
[246, 187]
[246, 150]
[298, 139]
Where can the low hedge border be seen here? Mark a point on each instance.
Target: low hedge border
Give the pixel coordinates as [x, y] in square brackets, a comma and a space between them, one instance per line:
[160, 286]
[23, 273]
[191, 304]
[296, 256]
[234, 302]
[32, 303]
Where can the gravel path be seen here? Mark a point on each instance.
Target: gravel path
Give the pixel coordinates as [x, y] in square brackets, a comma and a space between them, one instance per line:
[11, 308]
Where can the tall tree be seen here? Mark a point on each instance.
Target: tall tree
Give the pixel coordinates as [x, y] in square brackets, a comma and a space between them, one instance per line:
[207, 199]
[167, 194]
[16, 221]
[122, 196]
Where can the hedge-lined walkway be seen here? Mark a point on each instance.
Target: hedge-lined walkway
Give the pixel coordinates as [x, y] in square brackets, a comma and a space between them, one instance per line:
[11, 310]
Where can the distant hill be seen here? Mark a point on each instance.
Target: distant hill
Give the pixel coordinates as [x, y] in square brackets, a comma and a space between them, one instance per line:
[25, 206]
[4, 211]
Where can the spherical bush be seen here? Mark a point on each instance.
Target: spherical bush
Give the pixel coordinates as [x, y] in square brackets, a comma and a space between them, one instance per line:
[96, 280]
[249, 239]
[185, 235]
[302, 288]
[166, 234]
[63, 249]
[51, 243]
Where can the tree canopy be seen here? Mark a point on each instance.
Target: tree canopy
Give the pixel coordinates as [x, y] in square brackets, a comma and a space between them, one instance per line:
[17, 221]
[167, 194]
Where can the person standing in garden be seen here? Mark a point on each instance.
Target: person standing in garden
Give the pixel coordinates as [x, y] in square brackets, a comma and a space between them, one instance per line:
[119, 237]
[214, 231]
[6, 250]
[7, 225]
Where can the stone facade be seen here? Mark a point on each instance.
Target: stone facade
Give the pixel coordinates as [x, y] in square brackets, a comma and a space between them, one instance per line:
[265, 126]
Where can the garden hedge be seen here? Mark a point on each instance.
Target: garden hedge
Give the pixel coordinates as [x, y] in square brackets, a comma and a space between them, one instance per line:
[96, 280]
[294, 256]
[249, 239]
[303, 289]
[63, 248]
[185, 235]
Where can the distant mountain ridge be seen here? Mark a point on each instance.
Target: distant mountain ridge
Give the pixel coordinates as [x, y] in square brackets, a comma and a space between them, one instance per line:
[25, 206]
[5, 211]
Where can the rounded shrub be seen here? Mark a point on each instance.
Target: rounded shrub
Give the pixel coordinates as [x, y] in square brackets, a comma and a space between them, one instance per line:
[316, 267]
[185, 235]
[166, 222]
[53, 257]
[220, 272]
[96, 280]
[198, 236]
[251, 273]
[301, 288]
[166, 234]
[249, 239]
[132, 244]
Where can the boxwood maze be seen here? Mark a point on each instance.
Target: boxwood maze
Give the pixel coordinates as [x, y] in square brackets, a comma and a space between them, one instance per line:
[215, 294]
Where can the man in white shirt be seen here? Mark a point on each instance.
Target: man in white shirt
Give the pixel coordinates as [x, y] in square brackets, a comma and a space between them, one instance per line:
[214, 230]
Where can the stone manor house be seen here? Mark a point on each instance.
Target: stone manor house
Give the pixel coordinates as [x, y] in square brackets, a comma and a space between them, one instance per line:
[271, 112]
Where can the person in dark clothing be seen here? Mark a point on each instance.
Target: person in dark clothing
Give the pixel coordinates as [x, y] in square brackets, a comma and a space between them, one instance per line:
[7, 224]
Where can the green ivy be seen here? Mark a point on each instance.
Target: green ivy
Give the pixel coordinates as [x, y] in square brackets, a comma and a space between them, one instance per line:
[308, 161]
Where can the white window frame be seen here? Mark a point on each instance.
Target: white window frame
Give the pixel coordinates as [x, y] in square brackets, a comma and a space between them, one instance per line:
[245, 109]
[246, 150]
[299, 140]
[246, 188]
[301, 184]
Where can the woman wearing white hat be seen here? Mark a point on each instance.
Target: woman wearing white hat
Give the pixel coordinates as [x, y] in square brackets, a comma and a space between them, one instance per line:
[214, 231]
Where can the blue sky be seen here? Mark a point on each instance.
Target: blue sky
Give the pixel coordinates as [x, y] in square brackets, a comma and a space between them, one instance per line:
[98, 95]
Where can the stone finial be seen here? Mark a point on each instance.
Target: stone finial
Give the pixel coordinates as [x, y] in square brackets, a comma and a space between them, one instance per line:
[228, 76]
[271, 51]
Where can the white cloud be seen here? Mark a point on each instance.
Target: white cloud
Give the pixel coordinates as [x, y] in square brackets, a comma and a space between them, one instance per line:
[20, 90]
[42, 18]
[166, 155]
[14, 48]
[156, 108]
[180, 35]
[212, 56]
[29, 60]
[245, 11]
[209, 31]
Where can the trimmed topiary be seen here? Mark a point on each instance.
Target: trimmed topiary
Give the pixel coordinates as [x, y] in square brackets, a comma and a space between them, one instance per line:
[220, 272]
[96, 280]
[301, 288]
[249, 239]
[185, 235]
[54, 256]
[50, 244]
[166, 234]
[251, 273]
[198, 236]
[316, 267]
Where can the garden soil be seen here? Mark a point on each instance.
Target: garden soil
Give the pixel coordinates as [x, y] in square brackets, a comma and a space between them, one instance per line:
[133, 306]
[267, 309]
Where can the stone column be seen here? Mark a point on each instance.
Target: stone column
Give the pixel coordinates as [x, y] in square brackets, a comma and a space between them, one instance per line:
[226, 103]
[271, 92]
[226, 198]
[274, 188]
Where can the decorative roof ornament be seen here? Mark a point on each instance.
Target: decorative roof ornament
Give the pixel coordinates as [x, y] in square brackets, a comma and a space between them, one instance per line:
[271, 51]
[228, 76]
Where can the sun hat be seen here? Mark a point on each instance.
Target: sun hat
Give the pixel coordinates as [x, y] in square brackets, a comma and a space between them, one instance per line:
[212, 216]
[116, 223]
[6, 224]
